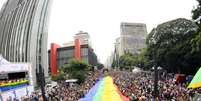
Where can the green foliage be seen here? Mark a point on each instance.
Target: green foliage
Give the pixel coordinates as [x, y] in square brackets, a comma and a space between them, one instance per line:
[196, 40]
[196, 43]
[75, 69]
[100, 66]
[171, 32]
[60, 76]
[169, 46]
[128, 61]
[75, 65]
[197, 11]
[142, 59]
[80, 75]
[114, 63]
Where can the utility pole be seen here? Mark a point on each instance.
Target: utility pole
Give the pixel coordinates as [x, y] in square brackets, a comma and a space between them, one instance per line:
[42, 82]
[155, 72]
[155, 82]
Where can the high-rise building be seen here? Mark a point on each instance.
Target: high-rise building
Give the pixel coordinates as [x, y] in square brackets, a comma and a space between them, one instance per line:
[132, 37]
[117, 47]
[83, 37]
[117, 50]
[23, 32]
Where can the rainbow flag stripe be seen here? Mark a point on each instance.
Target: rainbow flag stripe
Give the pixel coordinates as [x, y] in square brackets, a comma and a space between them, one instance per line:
[104, 90]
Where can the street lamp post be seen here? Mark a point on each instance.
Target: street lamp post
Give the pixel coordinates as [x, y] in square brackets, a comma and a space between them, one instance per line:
[117, 61]
[42, 82]
[155, 82]
[155, 73]
[117, 54]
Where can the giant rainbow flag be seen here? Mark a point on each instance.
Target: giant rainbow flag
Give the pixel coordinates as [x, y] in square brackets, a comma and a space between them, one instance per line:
[104, 90]
[196, 82]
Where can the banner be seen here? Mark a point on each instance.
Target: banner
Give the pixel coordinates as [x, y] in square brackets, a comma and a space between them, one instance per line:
[17, 93]
[10, 68]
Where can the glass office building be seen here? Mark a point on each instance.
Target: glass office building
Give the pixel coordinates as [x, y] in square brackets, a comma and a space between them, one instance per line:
[23, 32]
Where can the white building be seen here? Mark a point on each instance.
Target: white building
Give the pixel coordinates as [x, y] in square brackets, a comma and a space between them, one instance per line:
[84, 38]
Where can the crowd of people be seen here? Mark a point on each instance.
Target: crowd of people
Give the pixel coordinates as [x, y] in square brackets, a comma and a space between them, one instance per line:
[35, 96]
[64, 92]
[135, 86]
[139, 87]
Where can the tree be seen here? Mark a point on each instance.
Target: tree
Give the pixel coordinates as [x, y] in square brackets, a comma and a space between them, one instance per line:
[100, 66]
[142, 59]
[114, 64]
[197, 11]
[128, 61]
[169, 46]
[75, 65]
[60, 76]
[75, 69]
[196, 41]
[125, 61]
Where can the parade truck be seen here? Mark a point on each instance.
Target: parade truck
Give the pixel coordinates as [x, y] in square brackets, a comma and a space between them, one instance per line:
[15, 81]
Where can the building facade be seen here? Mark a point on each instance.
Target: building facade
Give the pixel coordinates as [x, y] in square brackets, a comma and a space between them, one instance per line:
[83, 37]
[58, 56]
[23, 32]
[117, 50]
[132, 37]
[110, 61]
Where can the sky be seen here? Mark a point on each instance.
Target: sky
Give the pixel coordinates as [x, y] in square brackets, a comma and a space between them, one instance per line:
[102, 18]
